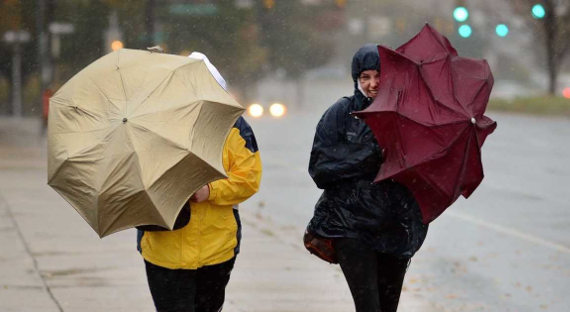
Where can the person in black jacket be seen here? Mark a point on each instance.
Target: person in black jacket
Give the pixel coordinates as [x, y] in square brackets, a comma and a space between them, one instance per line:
[376, 227]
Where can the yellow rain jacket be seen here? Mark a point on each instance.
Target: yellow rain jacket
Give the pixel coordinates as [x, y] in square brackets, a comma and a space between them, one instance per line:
[212, 236]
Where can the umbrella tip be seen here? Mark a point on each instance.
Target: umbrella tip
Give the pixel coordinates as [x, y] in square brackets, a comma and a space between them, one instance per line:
[155, 48]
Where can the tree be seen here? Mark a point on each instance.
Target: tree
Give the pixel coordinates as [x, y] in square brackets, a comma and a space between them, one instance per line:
[226, 33]
[86, 43]
[16, 17]
[298, 37]
[553, 29]
[136, 21]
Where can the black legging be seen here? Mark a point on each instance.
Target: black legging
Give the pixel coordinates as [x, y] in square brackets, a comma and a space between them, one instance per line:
[375, 280]
[201, 290]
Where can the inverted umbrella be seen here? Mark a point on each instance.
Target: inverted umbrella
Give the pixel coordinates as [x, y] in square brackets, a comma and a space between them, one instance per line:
[134, 134]
[428, 115]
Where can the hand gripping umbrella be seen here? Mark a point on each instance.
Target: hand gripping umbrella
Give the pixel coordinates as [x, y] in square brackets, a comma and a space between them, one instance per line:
[134, 134]
[428, 115]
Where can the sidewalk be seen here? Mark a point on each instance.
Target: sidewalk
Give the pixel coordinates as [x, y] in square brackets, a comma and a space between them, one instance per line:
[51, 260]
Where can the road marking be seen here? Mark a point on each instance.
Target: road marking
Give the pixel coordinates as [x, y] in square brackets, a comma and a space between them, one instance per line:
[508, 231]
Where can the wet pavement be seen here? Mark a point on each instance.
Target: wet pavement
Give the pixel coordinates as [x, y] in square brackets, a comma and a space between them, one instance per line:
[507, 248]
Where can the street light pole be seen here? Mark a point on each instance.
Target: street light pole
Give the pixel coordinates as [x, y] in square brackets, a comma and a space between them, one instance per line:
[17, 80]
[16, 38]
[43, 61]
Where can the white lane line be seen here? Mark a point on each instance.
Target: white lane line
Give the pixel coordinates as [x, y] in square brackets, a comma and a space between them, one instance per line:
[508, 231]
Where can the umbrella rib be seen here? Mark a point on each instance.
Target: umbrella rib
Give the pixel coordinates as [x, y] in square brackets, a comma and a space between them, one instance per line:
[433, 97]
[434, 60]
[433, 182]
[438, 42]
[453, 89]
[68, 103]
[109, 186]
[194, 125]
[440, 152]
[55, 173]
[401, 140]
[101, 91]
[418, 66]
[161, 136]
[457, 184]
[70, 132]
[174, 108]
[197, 157]
[83, 150]
[476, 94]
[117, 217]
[166, 78]
[75, 120]
[430, 125]
[121, 76]
[434, 186]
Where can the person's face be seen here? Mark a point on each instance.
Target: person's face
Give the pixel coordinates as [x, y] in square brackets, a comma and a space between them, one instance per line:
[369, 82]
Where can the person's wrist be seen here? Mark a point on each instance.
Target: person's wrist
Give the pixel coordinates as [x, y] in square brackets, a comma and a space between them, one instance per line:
[210, 191]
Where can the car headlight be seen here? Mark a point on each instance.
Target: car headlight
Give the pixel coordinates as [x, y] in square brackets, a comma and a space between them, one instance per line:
[255, 110]
[277, 110]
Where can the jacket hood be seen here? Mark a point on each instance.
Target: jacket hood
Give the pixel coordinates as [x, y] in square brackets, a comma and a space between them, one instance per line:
[364, 59]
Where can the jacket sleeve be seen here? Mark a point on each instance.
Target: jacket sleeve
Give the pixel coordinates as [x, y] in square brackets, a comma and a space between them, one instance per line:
[333, 158]
[243, 168]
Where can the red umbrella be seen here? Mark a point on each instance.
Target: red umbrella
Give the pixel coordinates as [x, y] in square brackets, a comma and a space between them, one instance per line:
[428, 115]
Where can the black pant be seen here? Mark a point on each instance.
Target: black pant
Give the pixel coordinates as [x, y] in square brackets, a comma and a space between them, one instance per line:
[375, 280]
[201, 290]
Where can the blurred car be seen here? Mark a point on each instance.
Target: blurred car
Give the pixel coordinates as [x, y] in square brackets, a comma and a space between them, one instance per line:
[276, 110]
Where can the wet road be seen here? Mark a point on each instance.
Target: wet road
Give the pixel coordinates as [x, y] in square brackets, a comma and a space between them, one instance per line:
[507, 248]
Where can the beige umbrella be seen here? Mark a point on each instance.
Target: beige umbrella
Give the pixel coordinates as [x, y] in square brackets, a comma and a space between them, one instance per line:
[134, 134]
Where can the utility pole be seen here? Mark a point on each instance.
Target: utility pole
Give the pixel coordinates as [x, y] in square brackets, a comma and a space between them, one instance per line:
[149, 22]
[17, 78]
[45, 69]
[16, 38]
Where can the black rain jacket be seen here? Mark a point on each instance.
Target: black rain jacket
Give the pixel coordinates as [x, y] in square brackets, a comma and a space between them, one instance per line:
[345, 159]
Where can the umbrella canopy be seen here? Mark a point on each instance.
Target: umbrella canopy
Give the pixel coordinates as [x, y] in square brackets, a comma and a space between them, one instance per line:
[428, 115]
[134, 134]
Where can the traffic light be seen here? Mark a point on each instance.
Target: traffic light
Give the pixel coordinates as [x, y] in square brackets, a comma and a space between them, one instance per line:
[465, 31]
[538, 11]
[460, 14]
[502, 30]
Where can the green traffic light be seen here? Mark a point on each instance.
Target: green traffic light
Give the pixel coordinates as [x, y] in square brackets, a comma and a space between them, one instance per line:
[502, 30]
[460, 14]
[538, 11]
[465, 31]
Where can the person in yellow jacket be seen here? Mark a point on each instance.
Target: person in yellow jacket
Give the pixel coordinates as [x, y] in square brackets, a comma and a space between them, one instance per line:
[188, 269]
